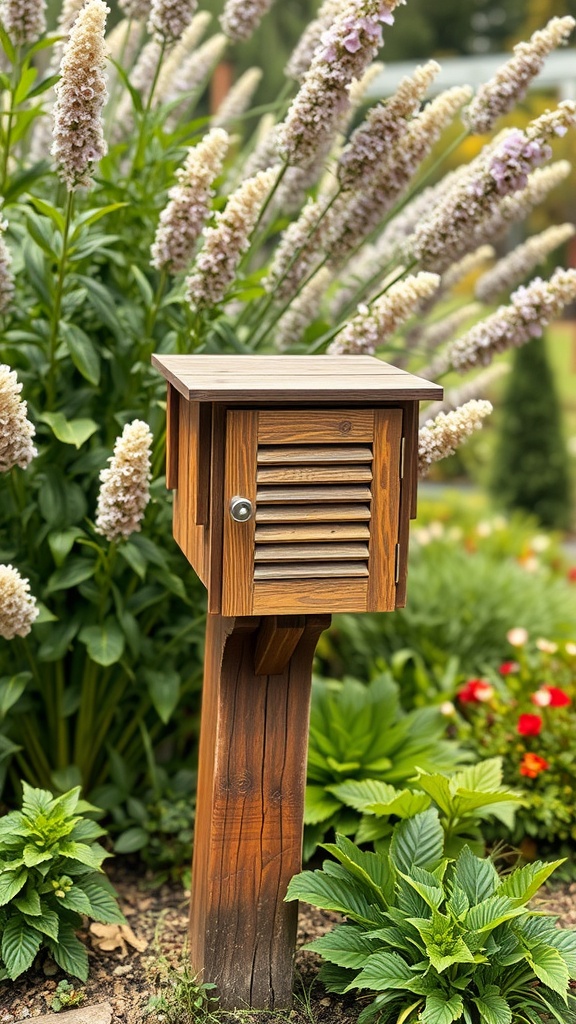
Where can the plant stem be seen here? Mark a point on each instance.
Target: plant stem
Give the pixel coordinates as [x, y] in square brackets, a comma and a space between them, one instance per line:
[144, 121]
[57, 308]
[62, 751]
[6, 154]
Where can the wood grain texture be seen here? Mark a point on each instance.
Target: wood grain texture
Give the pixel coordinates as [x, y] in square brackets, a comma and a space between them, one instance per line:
[307, 532]
[276, 642]
[311, 571]
[280, 495]
[203, 462]
[216, 532]
[239, 480]
[320, 426]
[295, 597]
[303, 474]
[248, 840]
[291, 379]
[191, 538]
[312, 454]
[312, 513]
[385, 510]
[172, 435]
[408, 493]
[348, 551]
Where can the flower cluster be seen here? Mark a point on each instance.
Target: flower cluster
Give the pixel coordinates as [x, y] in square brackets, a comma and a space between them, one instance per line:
[183, 219]
[374, 324]
[309, 41]
[511, 82]
[18, 608]
[81, 93]
[138, 9]
[16, 430]
[440, 437]
[241, 18]
[225, 243]
[6, 278]
[125, 483]
[23, 20]
[345, 50]
[518, 264]
[475, 691]
[238, 98]
[531, 309]
[169, 18]
[171, 67]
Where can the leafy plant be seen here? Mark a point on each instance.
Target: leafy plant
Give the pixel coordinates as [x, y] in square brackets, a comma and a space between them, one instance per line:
[439, 940]
[464, 801]
[525, 714]
[182, 998]
[50, 875]
[65, 996]
[360, 731]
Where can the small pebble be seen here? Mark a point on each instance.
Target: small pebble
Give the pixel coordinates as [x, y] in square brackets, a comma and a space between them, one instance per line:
[122, 969]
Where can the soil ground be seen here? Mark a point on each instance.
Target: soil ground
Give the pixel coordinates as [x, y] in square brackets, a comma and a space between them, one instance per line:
[143, 962]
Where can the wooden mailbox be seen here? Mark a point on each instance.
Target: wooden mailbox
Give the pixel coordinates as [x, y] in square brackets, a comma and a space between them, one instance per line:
[294, 480]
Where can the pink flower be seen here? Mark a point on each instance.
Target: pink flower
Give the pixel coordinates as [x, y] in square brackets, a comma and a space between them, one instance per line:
[529, 725]
[475, 691]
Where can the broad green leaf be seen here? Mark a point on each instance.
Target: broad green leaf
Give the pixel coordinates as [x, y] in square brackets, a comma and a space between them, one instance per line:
[61, 543]
[369, 868]
[476, 876]
[132, 840]
[104, 905]
[432, 895]
[11, 689]
[485, 776]
[134, 557]
[74, 432]
[525, 882]
[92, 856]
[360, 794]
[328, 893]
[549, 967]
[468, 801]
[20, 945]
[491, 912]
[439, 788]
[319, 805]
[52, 212]
[29, 902]
[82, 351]
[105, 643]
[69, 953]
[75, 899]
[164, 689]
[494, 1008]
[384, 971]
[345, 946]
[11, 882]
[418, 840]
[439, 1010]
[33, 855]
[74, 571]
[46, 924]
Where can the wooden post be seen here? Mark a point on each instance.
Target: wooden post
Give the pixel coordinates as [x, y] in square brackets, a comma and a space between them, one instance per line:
[252, 777]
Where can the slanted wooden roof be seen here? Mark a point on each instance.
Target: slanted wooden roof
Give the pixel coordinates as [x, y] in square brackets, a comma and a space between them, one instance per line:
[284, 379]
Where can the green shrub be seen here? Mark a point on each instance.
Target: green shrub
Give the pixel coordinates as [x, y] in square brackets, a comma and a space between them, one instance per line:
[464, 801]
[50, 875]
[439, 940]
[531, 467]
[360, 731]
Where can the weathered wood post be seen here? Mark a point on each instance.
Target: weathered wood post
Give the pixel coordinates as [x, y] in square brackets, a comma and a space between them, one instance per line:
[295, 480]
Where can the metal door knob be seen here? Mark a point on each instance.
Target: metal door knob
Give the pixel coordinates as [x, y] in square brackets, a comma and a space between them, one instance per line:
[241, 509]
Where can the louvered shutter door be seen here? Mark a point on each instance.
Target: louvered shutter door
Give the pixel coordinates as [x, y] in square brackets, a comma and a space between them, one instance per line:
[325, 486]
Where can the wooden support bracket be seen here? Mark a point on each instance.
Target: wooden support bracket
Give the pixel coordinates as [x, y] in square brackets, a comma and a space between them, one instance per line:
[249, 817]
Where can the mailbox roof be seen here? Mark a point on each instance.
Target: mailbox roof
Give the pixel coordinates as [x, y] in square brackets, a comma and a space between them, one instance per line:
[284, 379]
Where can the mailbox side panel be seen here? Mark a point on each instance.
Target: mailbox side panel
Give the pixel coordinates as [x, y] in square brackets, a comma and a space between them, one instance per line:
[189, 533]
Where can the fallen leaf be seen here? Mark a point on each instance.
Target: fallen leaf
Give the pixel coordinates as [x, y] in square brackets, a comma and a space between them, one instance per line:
[132, 939]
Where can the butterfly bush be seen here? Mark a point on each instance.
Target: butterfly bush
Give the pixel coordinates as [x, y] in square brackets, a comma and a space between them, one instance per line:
[18, 609]
[137, 225]
[516, 267]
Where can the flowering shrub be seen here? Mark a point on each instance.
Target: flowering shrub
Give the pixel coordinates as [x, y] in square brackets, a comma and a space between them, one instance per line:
[132, 224]
[525, 713]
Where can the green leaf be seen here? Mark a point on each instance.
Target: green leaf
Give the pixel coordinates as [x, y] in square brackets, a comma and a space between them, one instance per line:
[105, 643]
[371, 869]
[360, 794]
[136, 560]
[69, 953]
[82, 351]
[73, 572]
[46, 924]
[418, 840]
[61, 543]
[48, 210]
[132, 840]
[11, 689]
[494, 1008]
[32, 855]
[476, 876]
[384, 971]
[345, 946]
[525, 882]
[490, 913]
[11, 882]
[20, 945]
[329, 893]
[75, 899]
[485, 776]
[549, 967]
[439, 1010]
[319, 806]
[164, 690]
[74, 432]
[29, 903]
[104, 904]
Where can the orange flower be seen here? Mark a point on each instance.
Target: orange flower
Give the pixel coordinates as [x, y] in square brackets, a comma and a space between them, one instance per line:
[532, 765]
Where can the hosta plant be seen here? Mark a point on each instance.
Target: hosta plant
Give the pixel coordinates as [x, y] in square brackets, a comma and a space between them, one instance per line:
[464, 801]
[435, 940]
[360, 731]
[50, 874]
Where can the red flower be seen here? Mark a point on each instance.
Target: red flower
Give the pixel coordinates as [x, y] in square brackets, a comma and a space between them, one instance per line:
[507, 668]
[475, 691]
[529, 725]
[572, 574]
[558, 697]
[533, 764]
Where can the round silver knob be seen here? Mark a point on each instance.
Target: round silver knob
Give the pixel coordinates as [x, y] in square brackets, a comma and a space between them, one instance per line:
[241, 509]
